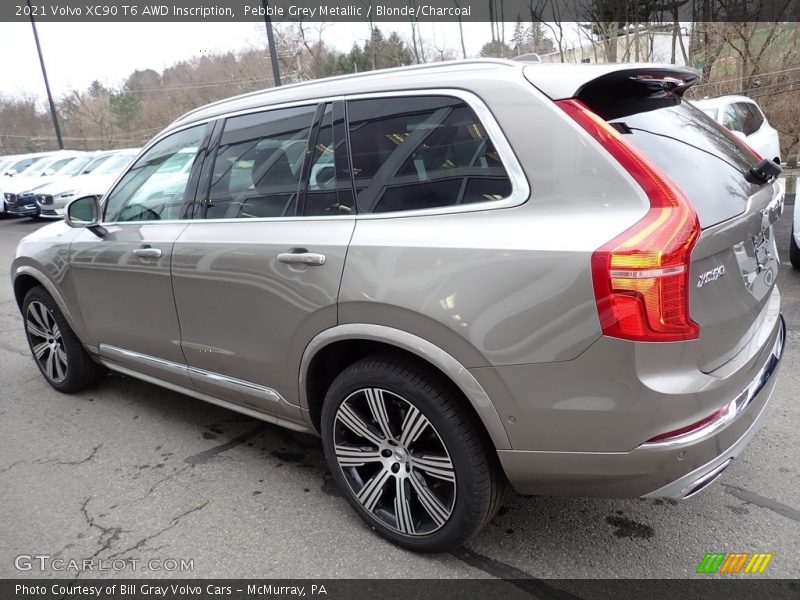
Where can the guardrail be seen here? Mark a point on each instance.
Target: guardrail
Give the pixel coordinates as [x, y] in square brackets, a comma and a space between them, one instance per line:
[790, 173]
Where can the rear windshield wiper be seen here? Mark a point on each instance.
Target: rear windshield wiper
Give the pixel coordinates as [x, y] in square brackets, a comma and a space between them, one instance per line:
[766, 171]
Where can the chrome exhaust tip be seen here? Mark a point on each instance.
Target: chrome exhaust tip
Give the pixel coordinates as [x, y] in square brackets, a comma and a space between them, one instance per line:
[703, 482]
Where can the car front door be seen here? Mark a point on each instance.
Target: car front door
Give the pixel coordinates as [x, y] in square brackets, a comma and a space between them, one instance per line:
[122, 279]
[256, 274]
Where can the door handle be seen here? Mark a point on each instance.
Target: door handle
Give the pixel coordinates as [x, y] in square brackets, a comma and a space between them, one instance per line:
[301, 257]
[147, 252]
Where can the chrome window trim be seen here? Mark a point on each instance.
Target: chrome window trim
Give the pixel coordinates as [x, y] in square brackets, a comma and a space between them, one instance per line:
[520, 189]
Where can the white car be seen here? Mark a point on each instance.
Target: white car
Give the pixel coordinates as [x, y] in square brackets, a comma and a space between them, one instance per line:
[744, 117]
[19, 162]
[18, 196]
[53, 197]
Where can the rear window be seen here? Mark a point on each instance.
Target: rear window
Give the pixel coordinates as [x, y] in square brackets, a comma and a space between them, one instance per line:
[707, 162]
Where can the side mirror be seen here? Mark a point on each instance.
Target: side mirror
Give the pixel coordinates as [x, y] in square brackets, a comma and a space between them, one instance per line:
[48, 172]
[84, 212]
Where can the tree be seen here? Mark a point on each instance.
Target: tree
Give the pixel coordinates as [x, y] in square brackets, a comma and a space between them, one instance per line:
[529, 38]
[496, 49]
[606, 20]
[142, 81]
[96, 89]
[125, 107]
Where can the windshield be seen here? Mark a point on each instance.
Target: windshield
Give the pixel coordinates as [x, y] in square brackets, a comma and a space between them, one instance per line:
[114, 164]
[58, 167]
[95, 164]
[26, 167]
[75, 166]
[51, 164]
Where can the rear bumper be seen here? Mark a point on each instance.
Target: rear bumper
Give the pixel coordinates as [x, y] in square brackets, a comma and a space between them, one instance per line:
[676, 469]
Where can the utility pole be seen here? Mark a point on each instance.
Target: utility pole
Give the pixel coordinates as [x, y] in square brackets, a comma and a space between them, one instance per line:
[273, 53]
[46, 82]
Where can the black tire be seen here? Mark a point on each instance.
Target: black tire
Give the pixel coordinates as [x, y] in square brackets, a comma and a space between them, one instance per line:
[64, 362]
[794, 251]
[479, 485]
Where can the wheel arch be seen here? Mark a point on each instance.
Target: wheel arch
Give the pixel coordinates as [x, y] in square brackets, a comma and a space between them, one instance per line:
[27, 277]
[334, 349]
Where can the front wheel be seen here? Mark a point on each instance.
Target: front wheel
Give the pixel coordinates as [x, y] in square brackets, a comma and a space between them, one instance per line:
[56, 349]
[408, 455]
[794, 251]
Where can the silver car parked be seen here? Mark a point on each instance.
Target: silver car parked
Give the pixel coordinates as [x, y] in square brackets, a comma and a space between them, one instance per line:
[458, 275]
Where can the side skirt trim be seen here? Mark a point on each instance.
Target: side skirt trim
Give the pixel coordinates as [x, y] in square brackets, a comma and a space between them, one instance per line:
[109, 353]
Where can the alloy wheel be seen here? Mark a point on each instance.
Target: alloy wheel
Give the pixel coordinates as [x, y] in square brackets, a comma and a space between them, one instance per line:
[47, 343]
[394, 461]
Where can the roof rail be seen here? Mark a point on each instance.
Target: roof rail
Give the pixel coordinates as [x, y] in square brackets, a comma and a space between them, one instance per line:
[310, 82]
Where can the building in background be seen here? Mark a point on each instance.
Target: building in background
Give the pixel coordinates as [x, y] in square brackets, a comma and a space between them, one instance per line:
[645, 45]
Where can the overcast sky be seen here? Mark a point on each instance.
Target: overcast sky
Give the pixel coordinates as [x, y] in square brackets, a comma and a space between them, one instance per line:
[78, 53]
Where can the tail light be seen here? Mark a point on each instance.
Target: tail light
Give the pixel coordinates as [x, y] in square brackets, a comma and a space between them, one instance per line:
[641, 277]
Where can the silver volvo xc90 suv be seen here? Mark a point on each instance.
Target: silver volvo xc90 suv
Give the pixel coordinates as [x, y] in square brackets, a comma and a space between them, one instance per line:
[458, 275]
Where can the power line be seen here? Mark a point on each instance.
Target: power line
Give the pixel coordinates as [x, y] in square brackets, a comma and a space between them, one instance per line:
[74, 139]
[763, 90]
[747, 77]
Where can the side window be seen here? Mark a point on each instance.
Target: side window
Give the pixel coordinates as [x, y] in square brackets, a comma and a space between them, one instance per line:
[731, 119]
[329, 190]
[746, 118]
[756, 115]
[258, 166]
[153, 188]
[412, 153]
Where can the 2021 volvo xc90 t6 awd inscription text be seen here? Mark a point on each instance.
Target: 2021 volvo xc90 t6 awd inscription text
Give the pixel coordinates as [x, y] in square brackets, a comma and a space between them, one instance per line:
[459, 276]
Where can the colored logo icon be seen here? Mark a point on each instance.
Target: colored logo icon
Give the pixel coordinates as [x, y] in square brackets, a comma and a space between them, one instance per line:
[734, 562]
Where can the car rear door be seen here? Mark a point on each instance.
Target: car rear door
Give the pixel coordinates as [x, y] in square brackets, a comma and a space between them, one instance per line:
[256, 274]
[122, 279]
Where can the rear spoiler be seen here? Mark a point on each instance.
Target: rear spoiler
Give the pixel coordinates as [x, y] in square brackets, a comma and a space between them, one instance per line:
[610, 90]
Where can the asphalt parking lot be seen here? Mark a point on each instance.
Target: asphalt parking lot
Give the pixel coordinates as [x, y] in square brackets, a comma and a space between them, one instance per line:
[132, 471]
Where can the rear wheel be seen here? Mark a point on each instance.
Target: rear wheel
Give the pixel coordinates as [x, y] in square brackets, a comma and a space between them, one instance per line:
[410, 460]
[56, 349]
[794, 251]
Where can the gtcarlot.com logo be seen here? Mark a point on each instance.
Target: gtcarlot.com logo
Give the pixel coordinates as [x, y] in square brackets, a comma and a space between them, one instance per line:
[46, 562]
[730, 563]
